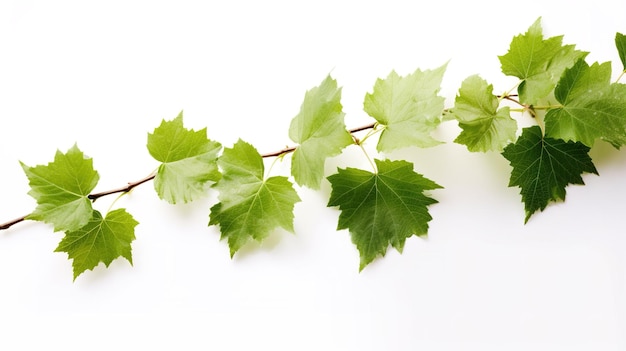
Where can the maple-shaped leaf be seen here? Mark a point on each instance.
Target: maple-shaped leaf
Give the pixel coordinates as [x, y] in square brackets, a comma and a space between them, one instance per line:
[61, 188]
[383, 208]
[485, 127]
[408, 108]
[250, 206]
[543, 167]
[189, 161]
[620, 43]
[538, 62]
[100, 240]
[592, 106]
[320, 130]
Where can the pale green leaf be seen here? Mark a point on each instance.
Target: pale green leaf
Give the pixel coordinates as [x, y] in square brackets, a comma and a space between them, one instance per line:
[320, 130]
[620, 43]
[592, 106]
[188, 161]
[100, 240]
[485, 127]
[250, 207]
[408, 108]
[538, 62]
[61, 189]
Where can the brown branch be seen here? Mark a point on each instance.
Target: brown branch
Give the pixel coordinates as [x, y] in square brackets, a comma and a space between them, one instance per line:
[9, 224]
[289, 149]
[93, 197]
[124, 189]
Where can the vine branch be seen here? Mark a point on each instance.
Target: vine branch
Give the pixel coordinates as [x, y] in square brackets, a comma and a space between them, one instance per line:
[130, 186]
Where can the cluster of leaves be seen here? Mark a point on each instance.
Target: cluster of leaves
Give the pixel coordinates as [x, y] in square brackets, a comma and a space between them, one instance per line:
[574, 104]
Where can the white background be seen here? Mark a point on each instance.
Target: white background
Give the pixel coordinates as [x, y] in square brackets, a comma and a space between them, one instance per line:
[104, 74]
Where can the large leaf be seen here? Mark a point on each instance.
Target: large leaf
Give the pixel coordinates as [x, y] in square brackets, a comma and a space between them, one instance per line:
[592, 106]
[250, 207]
[61, 189]
[538, 62]
[543, 167]
[320, 130]
[408, 108]
[383, 208]
[100, 240]
[188, 161]
[485, 127]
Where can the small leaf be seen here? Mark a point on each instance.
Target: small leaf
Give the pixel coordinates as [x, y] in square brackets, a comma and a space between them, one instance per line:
[408, 108]
[543, 167]
[485, 128]
[320, 130]
[538, 62]
[188, 167]
[250, 207]
[620, 42]
[61, 189]
[101, 240]
[381, 209]
[592, 106]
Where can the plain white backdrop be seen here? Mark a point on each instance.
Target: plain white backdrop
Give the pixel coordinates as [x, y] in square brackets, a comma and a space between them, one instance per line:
[104, 74]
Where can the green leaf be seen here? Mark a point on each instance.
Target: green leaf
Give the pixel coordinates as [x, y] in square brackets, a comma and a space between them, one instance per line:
[320, 130]
[538, 62]
[543, 167]
[381, 209]
[620, 42]
[408, 108]
[61, 189]
[485, 128]
[189, 161]
[592, 106]
[100, 240]
[250, 207]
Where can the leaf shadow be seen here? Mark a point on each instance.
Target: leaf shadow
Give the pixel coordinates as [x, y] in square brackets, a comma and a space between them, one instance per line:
[604, 154]
[268, 244]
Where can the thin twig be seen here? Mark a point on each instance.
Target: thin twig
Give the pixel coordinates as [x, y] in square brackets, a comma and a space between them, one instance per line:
[93, 197]
[9, 224]
[124, 189]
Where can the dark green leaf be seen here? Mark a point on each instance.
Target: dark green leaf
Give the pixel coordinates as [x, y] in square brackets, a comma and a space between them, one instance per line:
[543, 167]
[381, 209]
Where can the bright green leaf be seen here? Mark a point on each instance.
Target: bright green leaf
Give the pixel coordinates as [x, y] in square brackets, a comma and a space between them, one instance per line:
[543, 167]
[250, 207]
[100, 240]
[408, 108]
[320, 130]
[592, 106]
[189, 161]
[61, 189]
[538, 62]
[381, 209]
[620, 42]
[485, 128]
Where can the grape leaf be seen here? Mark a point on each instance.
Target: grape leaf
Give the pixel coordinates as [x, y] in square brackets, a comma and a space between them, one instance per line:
[189, 161]
[320, 130]
[620, 42]
[100, 240]
[538, 62]
[408, 108]
[61, 189]
[485, 128]
[592, 106]
[250, 207]
[543, 167]
[383, 208]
